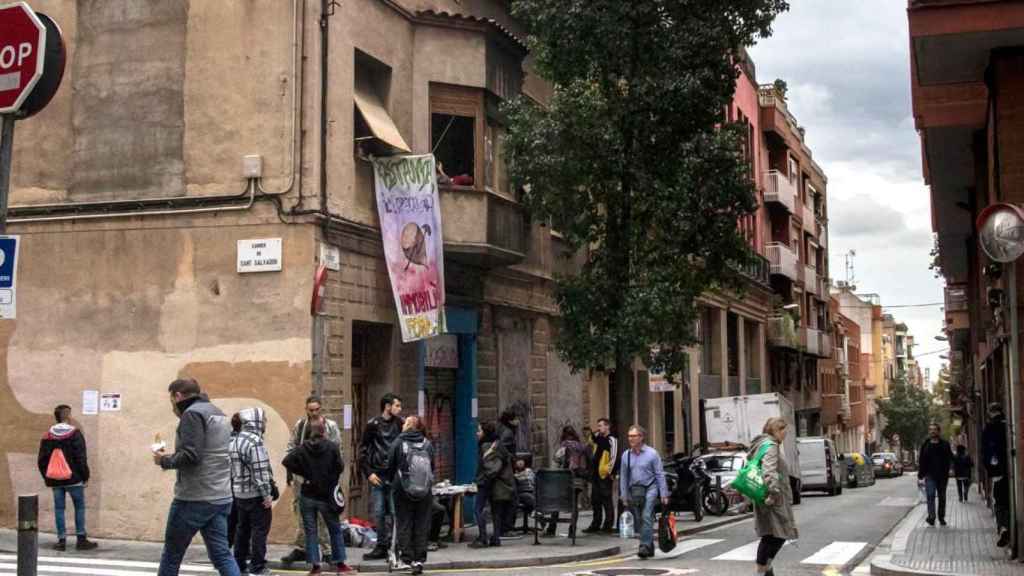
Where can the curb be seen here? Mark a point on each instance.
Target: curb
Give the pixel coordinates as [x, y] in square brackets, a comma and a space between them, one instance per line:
[536, 560]
[883, 565]
[702, 527]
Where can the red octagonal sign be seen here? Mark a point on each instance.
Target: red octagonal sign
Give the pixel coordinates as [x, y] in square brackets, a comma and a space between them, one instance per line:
[22, 41]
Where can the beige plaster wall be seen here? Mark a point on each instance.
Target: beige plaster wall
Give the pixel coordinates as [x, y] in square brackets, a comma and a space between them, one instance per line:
[128, 311]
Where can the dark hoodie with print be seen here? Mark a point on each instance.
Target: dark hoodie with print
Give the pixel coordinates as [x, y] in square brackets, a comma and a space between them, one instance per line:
[71, 441]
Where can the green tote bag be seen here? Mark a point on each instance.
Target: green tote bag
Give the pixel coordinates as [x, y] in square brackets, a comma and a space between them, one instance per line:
[750, 480]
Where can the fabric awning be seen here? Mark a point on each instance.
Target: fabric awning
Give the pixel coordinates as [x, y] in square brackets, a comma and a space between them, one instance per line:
[378, 119]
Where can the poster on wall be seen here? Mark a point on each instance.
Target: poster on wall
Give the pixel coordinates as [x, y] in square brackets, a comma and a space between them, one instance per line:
[410, 227]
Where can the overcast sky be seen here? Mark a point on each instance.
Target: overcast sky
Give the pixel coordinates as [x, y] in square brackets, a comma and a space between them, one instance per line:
[847, 67]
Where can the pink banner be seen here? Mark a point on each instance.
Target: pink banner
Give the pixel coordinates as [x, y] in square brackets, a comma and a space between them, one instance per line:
[410, 226]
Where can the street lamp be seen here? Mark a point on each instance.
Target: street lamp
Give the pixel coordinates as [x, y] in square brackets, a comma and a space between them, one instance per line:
[790, 306]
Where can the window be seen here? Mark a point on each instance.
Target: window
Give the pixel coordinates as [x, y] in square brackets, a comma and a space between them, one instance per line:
[453, 140]
[793, 171]
[374, 130]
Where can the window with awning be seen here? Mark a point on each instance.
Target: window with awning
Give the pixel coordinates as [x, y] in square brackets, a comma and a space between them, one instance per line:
[375, 130]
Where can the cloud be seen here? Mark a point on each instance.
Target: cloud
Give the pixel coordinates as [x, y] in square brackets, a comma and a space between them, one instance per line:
[847, 66]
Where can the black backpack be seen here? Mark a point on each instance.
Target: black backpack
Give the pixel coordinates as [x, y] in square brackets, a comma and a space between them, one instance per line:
[416, 473]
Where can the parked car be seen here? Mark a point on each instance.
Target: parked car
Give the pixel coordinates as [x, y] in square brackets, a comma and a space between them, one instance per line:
[820, 467]
[724, 465]
[886, 464]
[859, 471]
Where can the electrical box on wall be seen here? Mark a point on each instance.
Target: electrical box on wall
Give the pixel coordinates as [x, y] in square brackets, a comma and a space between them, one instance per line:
[252, 166]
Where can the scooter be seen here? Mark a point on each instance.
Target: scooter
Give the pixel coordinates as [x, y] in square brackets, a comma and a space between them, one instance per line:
[686, 478]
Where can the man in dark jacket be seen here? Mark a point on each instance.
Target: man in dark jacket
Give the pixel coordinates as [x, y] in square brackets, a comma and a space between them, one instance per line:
[69, 443]
[318, 462]
[412, 511]
[380, 432]
[933, 469]
[996, 461]
[202, 492]
[605, 450]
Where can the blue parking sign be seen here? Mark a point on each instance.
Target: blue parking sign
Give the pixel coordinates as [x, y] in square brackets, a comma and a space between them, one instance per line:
[8, 260]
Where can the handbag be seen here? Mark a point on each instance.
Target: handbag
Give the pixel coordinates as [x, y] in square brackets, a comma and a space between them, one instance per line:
[750, 481]
[667, 532]
[637, 493]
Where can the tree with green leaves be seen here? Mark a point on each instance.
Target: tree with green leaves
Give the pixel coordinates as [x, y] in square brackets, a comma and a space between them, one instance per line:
[633, 161]
[907, 413]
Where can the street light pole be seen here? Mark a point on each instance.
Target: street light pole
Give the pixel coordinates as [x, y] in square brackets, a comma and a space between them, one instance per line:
[1014, 419]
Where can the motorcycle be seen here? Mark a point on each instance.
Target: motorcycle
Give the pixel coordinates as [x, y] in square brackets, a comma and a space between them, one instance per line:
[686, 479]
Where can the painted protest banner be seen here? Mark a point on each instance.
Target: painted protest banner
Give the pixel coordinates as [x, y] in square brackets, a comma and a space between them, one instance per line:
[410, 226]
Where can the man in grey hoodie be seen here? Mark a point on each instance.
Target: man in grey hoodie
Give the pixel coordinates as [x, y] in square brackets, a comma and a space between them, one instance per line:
[252, 484]
[202, 493]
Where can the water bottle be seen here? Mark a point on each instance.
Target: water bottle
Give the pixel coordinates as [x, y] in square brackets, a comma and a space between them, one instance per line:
[626, 525]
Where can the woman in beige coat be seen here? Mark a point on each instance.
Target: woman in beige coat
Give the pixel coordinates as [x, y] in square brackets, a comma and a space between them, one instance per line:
[773, 520]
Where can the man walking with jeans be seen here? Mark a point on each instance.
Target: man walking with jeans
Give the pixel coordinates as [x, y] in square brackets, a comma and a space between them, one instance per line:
[933, 470]
[251, 478]
[642, 481]
[202, 493]
[64, 444]
[380, 432]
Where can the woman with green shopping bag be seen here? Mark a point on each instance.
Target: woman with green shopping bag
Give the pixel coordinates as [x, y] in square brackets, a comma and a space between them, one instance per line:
[773, 515]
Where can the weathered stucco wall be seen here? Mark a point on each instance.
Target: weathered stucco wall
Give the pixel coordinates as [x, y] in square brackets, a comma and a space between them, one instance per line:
[128, 311]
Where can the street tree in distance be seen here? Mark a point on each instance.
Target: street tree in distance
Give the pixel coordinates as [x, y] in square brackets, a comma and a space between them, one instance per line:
[634, 162]
[907, 412]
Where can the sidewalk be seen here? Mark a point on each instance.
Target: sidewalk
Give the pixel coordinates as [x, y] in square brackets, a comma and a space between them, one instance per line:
[518, 552]
[965, 547]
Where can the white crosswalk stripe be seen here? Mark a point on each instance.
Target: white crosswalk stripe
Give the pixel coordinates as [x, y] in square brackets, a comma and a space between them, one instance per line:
[836, 554]
[684, 546]
[745, 553]
[96, 566]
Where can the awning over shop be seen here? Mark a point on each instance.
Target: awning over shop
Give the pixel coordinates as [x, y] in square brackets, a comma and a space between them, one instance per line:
[378, 120]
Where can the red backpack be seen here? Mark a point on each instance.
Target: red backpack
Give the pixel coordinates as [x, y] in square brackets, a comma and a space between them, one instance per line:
[58, 468]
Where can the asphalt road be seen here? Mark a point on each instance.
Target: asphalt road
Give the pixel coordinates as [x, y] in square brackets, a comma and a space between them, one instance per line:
[836, 535]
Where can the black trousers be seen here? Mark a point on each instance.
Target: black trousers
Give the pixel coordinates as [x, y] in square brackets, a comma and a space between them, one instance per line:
[438, 516]
[251, 534]
[963, 488]
[413, 517]
[601, 503]
[768, 548]
[1001, 502]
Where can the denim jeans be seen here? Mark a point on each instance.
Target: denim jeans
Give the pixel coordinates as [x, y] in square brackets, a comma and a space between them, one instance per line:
[60, 500]
[383, 514]
[311, 508]
[644, 519]
[936, 488]
[484, 509]
[183, 521]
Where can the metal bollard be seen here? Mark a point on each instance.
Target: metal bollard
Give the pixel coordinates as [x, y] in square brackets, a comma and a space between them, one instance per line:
[28, 535]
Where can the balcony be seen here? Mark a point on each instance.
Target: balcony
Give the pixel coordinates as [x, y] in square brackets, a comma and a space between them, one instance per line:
[482, 228]
[812, 341]
[783, 260]
[782, 332]
[824, 288]
[757, 270]
[822, 235]
[779, 189]
[811, 281]
[827, 348]
[957, 315]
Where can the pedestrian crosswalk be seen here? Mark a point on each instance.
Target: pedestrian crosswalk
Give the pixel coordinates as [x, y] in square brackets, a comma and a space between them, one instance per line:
[833, 554]
[58, 566]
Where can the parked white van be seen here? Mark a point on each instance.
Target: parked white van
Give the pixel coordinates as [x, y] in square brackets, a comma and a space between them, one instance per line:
[820, 469]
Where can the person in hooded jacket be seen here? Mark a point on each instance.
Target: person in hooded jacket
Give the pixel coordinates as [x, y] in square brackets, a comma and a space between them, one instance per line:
[413, 515]
[996, 460]
[773, 519]
[495, 481]
[69, 440]
[252, 485]
[318, 462]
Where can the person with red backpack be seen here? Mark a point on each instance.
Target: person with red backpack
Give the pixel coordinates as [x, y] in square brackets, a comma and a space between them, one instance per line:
[65, 468]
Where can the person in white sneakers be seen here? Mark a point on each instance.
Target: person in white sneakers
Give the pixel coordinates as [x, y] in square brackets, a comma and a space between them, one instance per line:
[64, 464]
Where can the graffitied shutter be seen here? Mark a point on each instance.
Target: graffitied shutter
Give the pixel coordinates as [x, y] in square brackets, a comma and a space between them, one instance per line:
[440, 414]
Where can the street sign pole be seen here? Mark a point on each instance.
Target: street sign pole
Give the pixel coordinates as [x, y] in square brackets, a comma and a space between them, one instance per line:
[6, 151]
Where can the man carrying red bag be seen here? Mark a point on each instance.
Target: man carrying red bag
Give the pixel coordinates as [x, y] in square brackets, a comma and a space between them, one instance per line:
[65, 468]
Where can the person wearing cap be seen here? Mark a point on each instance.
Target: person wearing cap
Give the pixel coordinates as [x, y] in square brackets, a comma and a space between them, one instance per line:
[318, 462]
[996, 460]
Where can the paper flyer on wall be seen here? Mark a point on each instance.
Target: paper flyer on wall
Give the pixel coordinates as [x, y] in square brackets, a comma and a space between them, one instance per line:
[410, 226]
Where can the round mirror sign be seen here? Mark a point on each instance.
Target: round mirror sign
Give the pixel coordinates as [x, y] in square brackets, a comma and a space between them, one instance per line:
[1001, 231]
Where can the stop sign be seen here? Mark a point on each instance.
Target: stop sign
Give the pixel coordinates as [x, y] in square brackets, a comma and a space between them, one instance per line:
[22, 41]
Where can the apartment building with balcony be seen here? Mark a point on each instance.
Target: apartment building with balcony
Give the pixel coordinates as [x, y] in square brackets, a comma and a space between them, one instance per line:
[967, 88]
[800, 331]
[844, 411]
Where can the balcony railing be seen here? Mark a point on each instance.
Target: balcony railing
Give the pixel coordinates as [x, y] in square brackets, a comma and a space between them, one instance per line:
[783, 260]
[812, 341]
[757, 269]
[483, 228]
[779, 189]
[956, 298]
[782, 332]
[811, 280]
